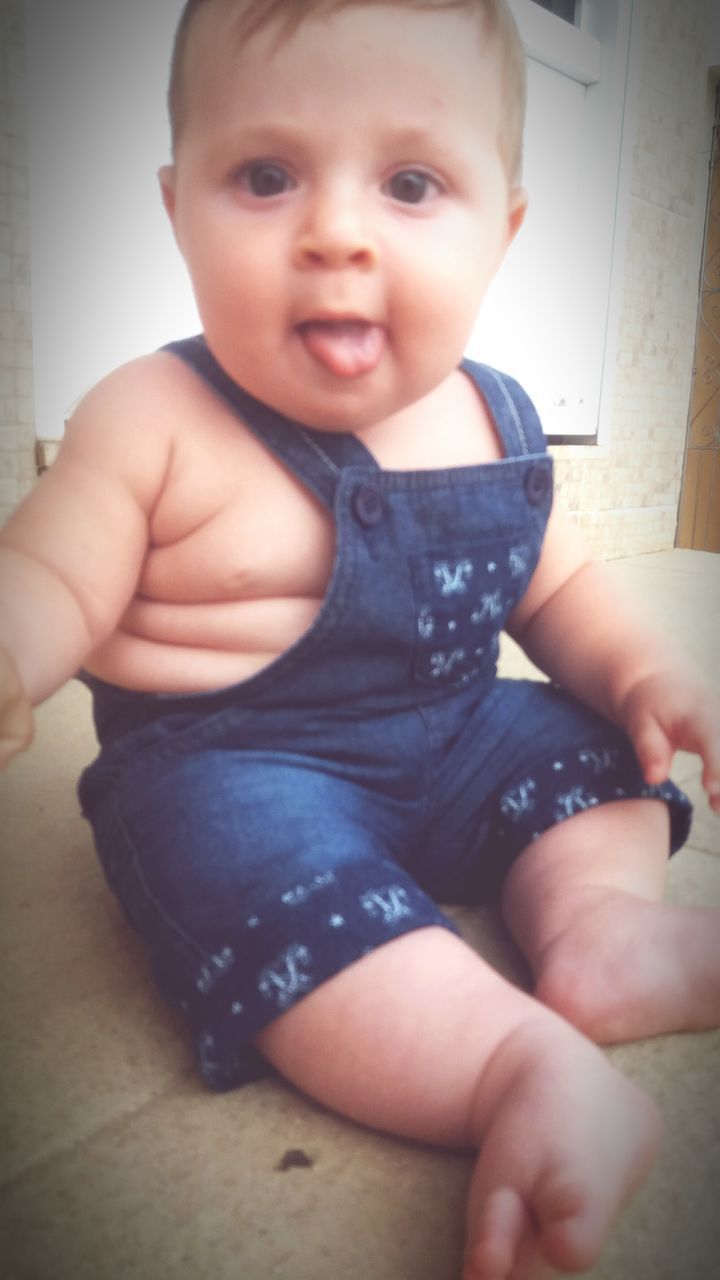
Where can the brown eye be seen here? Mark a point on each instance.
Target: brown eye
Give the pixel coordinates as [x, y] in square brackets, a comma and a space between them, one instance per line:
[411, 186]
[265, 180]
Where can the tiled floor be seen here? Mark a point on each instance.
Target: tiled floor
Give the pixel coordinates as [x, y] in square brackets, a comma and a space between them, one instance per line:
[117, 1165]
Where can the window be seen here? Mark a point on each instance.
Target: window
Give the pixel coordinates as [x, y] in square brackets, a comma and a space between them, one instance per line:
[549, 317]
[565, 9]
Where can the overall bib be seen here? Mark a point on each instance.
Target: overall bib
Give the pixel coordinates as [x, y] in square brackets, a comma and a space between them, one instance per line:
[263, 837]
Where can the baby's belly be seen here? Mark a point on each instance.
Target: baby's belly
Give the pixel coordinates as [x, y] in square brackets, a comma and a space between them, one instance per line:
[189, 648]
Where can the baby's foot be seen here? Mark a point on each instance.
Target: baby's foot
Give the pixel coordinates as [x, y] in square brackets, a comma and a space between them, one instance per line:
[569, 1142]
[624, 969]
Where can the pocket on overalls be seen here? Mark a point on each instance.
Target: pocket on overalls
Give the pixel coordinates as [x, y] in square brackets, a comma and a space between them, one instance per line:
[463, 599]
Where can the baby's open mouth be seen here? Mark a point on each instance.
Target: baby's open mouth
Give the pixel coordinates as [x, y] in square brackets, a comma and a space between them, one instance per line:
[348, 348]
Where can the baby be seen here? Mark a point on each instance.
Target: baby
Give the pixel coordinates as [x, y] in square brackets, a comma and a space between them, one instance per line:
[281, 554]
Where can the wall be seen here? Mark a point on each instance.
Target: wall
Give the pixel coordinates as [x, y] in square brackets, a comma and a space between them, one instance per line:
[98, 130]
[17, 431]
[625, 494]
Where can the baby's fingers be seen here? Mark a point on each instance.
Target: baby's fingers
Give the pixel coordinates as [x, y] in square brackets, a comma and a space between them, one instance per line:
[16, 719]
[652, 748]
[16, 730]
[667, 713]
[700, 733]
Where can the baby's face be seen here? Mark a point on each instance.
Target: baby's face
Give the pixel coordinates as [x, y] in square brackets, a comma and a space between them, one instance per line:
[342, 205]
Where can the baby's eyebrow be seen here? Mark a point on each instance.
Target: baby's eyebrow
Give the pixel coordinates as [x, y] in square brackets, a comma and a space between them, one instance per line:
[263, 137]
[276, 134]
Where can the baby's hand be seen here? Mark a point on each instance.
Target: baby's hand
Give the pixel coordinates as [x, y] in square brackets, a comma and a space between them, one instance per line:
[672, 712]
[16, 721]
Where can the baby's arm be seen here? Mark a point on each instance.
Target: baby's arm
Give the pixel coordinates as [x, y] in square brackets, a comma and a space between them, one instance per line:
[578, 625]
[70, 556]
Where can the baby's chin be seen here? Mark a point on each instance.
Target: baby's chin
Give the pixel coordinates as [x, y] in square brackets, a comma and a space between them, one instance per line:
[342, 405]
[342, 416]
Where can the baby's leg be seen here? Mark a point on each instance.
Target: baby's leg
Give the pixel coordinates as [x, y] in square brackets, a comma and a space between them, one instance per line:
[584, 902]
[421, 1038]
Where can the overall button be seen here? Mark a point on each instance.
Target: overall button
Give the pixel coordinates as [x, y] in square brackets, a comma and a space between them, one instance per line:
[367, 505]
[537, 484]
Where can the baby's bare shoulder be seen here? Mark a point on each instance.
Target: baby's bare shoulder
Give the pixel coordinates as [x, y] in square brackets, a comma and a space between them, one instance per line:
[149, 393]
[130, 421]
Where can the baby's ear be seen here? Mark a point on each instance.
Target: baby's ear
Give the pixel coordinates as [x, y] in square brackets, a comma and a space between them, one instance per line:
[517, 208]
[166, 178]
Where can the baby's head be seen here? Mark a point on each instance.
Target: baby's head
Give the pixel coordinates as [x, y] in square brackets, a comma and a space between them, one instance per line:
[250, 16]
[343, 190]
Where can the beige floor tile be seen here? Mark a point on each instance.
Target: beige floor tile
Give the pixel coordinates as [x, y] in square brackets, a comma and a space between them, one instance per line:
[681, 589]
[190, 1188]
[672, 1229]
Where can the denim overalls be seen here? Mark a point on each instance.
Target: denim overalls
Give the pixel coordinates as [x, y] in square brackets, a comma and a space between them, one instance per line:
[264, 837]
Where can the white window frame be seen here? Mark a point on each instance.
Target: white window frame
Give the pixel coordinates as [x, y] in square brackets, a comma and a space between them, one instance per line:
[570, 49]
[595, 54]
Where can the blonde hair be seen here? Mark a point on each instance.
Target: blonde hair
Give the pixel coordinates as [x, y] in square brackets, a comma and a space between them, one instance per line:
[254, 15]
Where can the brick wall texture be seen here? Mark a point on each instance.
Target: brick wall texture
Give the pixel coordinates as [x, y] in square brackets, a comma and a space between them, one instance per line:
[624, 494]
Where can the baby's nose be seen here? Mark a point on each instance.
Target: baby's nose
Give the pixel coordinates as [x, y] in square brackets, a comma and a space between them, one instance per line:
[334, 235]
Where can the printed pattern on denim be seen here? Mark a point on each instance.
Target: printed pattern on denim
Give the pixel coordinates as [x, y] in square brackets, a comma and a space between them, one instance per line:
[572, 783]
[462, 603]
[225, 1058]
[212, 969]
[287, 977]
[233, 986]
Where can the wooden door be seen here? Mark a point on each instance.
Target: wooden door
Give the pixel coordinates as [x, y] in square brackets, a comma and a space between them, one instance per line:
[699, 515]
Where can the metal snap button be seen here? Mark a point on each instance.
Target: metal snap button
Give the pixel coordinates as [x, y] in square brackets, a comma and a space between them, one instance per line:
[367, 505]
[537, 484]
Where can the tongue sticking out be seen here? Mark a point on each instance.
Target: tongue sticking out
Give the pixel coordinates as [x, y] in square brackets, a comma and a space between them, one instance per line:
[347, 348]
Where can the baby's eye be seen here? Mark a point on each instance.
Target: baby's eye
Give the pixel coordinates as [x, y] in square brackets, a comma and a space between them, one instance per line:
[411, 186]
[265, 179]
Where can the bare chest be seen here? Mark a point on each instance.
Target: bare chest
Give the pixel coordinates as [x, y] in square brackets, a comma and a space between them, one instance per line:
[235, 524]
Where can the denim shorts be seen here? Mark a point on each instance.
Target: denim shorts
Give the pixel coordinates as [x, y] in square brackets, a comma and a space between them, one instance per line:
[257, 863]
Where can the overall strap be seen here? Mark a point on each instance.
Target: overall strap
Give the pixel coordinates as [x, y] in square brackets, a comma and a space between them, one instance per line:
[315, 457]
[514, 413]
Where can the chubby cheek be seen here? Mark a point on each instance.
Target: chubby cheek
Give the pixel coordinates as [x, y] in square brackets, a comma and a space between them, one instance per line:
[243, 320]
[229, 285]
[439, 304]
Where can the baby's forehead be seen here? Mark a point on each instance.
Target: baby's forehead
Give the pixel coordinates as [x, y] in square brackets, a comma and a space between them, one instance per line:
[231, 24]
[224, 37]
[222, 32]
